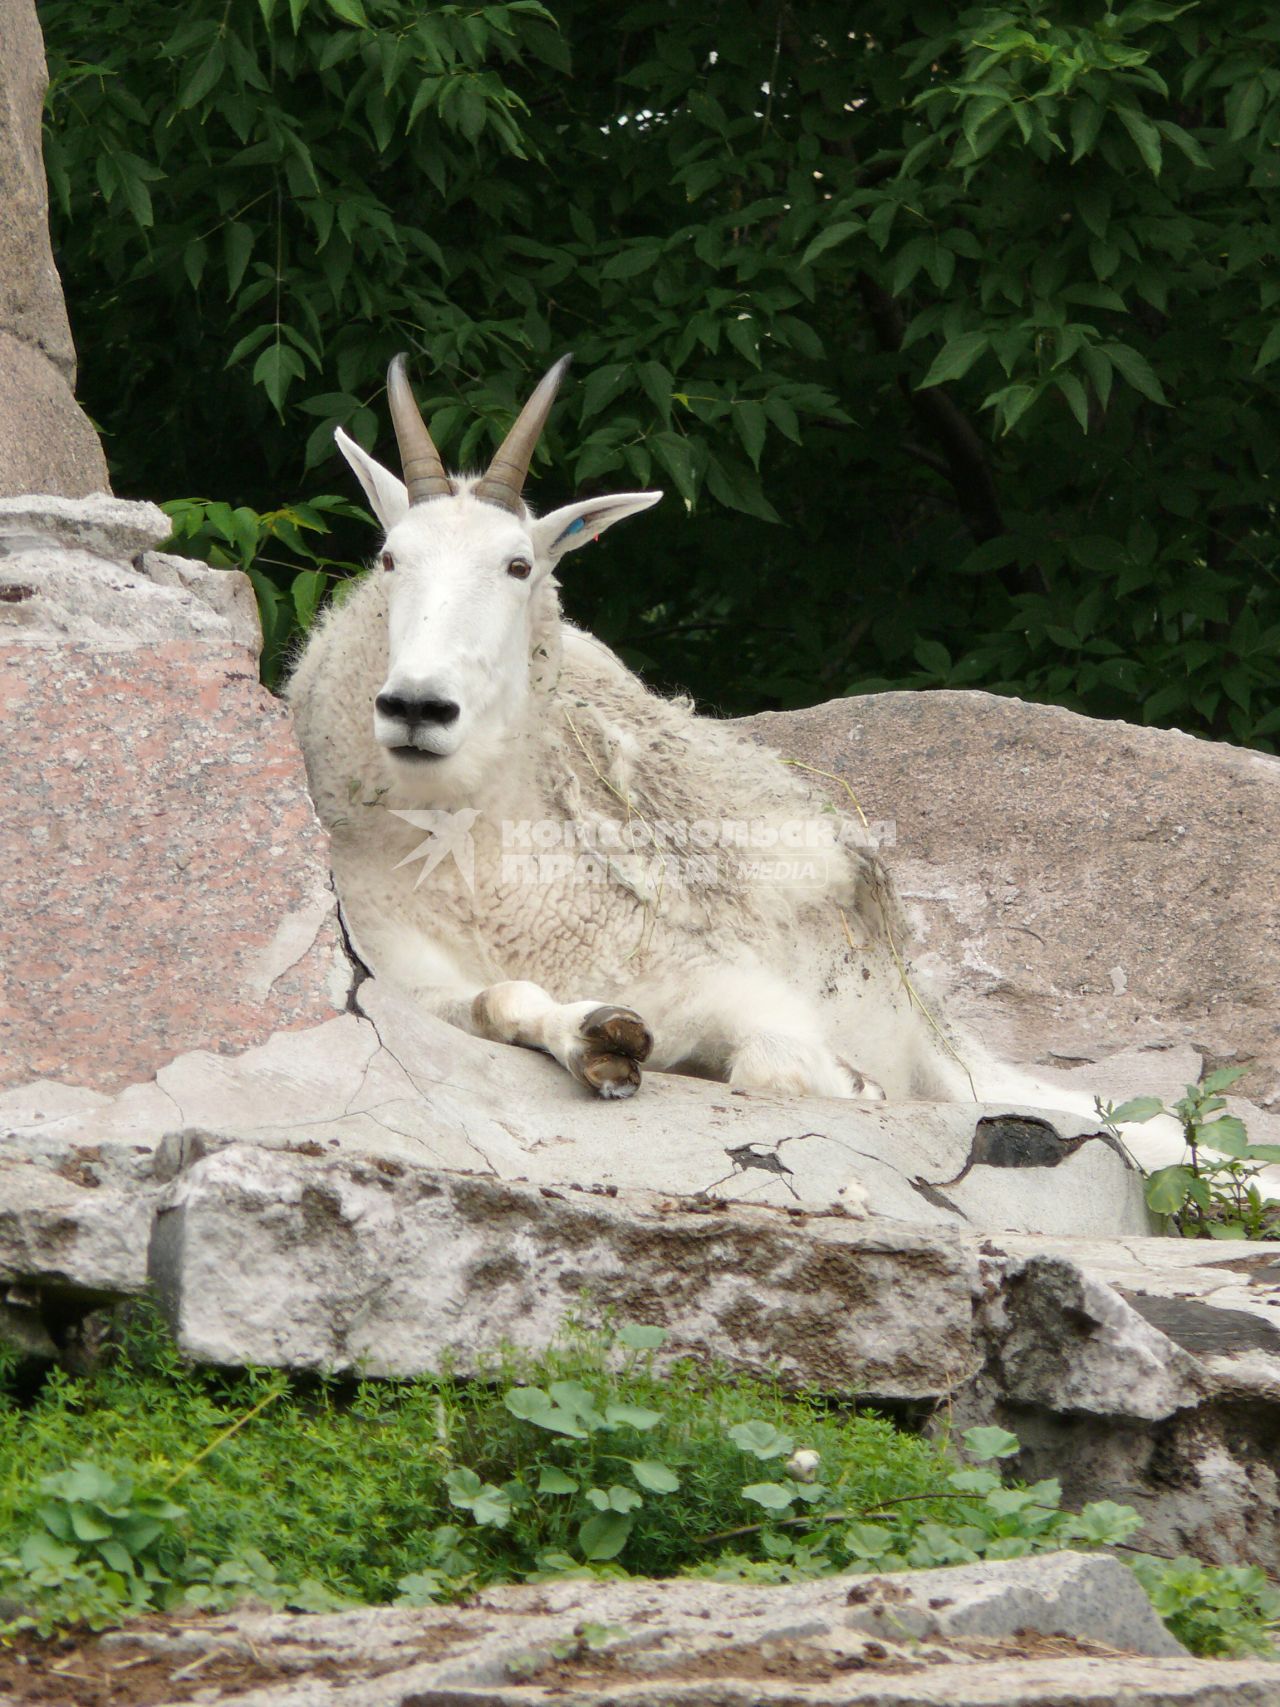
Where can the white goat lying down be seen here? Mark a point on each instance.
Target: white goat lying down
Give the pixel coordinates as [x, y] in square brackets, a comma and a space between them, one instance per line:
[610, 878]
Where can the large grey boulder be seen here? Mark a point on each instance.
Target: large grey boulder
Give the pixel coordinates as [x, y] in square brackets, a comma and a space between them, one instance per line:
[387, 1082]
[1065, 1631]
[1079, 888]
[46, 443]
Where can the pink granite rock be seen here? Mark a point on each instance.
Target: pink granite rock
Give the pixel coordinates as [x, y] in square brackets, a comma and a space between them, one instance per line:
[1079, 887]
[165, 882]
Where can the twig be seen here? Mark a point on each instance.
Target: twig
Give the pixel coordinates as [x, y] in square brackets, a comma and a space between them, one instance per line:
[217, 1441]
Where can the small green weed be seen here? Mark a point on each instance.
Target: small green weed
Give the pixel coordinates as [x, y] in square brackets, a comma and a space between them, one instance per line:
[586, 1461]
[1214, 1609]
[1213, 1195]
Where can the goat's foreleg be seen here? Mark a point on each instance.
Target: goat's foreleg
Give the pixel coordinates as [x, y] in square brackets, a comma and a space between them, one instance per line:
[600, 1044]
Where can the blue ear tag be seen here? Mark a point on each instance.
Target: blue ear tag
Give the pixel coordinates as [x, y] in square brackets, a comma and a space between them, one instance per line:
[573, 527]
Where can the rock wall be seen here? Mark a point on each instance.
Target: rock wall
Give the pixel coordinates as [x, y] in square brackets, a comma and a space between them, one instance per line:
[46, 443]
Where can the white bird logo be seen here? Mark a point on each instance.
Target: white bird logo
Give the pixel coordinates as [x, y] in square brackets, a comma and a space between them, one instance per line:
[449, 833]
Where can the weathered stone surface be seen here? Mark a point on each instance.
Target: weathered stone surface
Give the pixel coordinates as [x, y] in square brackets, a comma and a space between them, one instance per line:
[400, 1085]
[713, 1644]
[165, 881]
[1085, 1595]
[270, 1258]
[1069, 1342]
[46, 443]
[114, 528]
[1079, 887]
[64, 1246]
[76, 601]
[226, 591]
[1204, 1474]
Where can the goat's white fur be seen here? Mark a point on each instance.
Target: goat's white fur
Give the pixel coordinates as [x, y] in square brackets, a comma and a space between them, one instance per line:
[772, 986]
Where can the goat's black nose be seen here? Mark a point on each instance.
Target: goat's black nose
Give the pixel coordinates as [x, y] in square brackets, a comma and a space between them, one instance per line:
[412, 711]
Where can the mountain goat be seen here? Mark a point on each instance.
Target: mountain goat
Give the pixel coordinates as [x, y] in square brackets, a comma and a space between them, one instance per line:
[604, 875]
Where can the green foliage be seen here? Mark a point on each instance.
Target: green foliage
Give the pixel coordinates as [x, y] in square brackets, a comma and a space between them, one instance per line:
[289, 589]
[103, 1551]
[1227, 1610]
[585, 1462]
[1213, 1196]
[951, 333]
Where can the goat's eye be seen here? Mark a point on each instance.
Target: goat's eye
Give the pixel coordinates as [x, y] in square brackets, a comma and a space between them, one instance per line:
[388, 561]
[520, 567]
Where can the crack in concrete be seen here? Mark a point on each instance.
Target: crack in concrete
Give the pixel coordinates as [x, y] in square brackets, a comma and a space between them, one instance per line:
[757, 1155]
[414, 1079]
[169, 1096]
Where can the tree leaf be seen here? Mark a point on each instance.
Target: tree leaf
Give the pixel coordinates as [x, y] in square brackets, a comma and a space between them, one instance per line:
[275, 370]
[829, 237]
[1073, 391]
[1146, 138]
[351, 12]
[203, 78]
[955, 358]
[1086, 121]
[1270, 349]
[750, 420]
[629, 263]
[1137, 370]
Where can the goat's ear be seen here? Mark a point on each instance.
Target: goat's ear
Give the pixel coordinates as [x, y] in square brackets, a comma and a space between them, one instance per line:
[578, 524]
[388, 496]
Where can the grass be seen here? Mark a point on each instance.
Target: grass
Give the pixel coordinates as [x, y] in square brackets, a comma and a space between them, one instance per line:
[146, 1483]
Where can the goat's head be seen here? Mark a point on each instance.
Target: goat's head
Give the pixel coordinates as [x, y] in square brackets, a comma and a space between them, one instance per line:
[468, 567]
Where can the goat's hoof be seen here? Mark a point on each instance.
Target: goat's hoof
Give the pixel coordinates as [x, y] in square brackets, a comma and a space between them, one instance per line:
[616, 1041]
[861, 1088]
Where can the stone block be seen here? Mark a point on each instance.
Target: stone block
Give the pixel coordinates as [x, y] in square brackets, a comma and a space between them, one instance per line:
[311, 1263]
